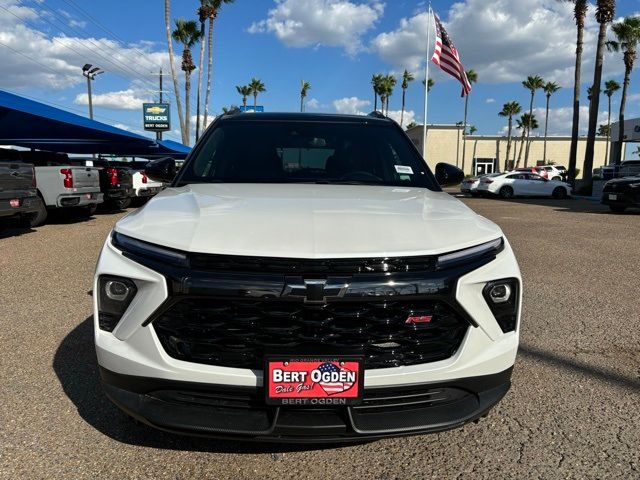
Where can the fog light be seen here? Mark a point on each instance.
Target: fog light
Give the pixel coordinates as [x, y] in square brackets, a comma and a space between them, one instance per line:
[116, 290]
[500, 293]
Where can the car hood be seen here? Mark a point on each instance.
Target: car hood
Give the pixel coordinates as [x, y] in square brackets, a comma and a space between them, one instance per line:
[307, 221]
[623, 180]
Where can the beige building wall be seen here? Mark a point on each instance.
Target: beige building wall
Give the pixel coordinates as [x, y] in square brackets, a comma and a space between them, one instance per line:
[445, 144]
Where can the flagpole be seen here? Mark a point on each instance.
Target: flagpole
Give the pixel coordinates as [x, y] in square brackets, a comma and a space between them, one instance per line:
[426, 88]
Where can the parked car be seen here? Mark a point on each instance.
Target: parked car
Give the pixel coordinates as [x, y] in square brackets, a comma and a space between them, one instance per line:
[18, 197]
[514, 184]
[63, 185]
[290, 256]
[116, 181]
[552, 172]
[143, 187]
[469, 186]
[622, 193]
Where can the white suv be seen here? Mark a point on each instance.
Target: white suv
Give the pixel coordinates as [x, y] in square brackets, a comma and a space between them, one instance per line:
[305, 279]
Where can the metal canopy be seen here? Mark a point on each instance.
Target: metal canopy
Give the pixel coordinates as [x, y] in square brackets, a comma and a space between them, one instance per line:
[30, 124]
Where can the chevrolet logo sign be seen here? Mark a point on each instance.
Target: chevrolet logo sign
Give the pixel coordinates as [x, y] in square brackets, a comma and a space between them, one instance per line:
[155, 110]
[315, 290]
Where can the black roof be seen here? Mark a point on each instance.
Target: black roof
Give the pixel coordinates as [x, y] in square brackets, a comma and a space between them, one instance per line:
[305, 117]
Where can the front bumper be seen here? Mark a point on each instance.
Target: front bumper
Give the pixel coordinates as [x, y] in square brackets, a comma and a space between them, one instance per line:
[240, 412]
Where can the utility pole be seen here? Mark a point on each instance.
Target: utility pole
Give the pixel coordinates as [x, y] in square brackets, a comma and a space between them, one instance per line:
[90, 72]
[160, 75]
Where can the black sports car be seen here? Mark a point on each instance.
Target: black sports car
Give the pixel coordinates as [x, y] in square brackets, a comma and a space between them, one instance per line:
[622, 193]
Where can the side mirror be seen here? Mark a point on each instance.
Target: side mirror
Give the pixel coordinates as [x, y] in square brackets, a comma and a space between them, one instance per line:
[161, 170]
[448, 175]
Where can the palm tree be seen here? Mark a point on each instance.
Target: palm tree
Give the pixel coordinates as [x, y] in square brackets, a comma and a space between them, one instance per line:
[472, 76]
[376, 82]
[610, 87]
[304, 88]
[509, 110]
[174, 74]
[411, 125]
[458, 124]
[550, 88]
[245, 91]
[604, 130]
[605, 13]
[525, 123]
[580, 13]
[187, 33]
[388, 84]
[532, 83]
[209, 9]
[431, 84]
[627, 34]
[407, 77]
[256, 87]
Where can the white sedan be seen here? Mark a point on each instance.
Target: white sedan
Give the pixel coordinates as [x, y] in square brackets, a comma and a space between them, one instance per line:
[511, 184]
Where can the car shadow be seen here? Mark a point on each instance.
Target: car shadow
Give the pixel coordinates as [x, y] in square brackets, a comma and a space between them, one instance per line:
[76, 367]
[12, 229]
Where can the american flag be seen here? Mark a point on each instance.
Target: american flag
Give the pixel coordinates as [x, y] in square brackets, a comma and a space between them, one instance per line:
[331, 388]
[446, 57]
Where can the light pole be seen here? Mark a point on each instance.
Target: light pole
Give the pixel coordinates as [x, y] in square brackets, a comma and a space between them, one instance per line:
[90, 72]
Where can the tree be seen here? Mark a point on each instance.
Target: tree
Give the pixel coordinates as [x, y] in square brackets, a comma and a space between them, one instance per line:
[472, 129]
[256, 87]
[304, 88]
[209, 9]
[458, 124]
[627, 33]
[525, 123]
[387, 85]
[509, 110]
[610, 87]
[472, 76]
[407, 77]
[432, 82]
[174, 74]
[605, 13]
[532, 83]
[550, 88]
[579, 13]
[245, 91]
[411, 125]
[603, 130]
[187, 33]
[376, 83]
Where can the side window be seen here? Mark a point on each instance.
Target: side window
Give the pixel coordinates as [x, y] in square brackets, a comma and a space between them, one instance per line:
[518, 176]
[537, 178]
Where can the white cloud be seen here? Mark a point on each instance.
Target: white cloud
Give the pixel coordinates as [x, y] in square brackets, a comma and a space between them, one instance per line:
[561, 120]
[34, 58]
[490, 100]
[409, 116]
[313, 103]
[122, 100]
[333, 23]
[351, 105]
[503, 40]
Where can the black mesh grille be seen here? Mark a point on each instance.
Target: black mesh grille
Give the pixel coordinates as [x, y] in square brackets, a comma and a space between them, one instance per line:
[239, 333]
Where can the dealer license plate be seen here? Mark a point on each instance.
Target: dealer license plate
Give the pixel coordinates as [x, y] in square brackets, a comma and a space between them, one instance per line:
[613, 197]
[307, 382]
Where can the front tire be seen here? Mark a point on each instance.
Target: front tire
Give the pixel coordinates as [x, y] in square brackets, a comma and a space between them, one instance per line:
[617, 208]
[506, 192]
[559, 192]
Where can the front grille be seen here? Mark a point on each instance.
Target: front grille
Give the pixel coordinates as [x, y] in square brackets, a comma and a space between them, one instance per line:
[239, 333]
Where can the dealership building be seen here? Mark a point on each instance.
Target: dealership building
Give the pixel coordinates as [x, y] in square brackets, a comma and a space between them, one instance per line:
[487, 153]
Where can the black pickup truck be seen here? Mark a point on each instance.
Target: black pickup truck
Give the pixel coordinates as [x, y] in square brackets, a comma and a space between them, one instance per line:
[116, 181]
[18, 197]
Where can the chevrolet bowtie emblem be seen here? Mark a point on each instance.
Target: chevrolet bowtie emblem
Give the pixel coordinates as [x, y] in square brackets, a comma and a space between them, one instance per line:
[315, 290]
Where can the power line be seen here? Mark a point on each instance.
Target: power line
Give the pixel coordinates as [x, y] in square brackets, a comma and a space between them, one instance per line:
[29, 58]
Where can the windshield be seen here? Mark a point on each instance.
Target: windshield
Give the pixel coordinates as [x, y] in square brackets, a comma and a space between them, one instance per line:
[306, 152]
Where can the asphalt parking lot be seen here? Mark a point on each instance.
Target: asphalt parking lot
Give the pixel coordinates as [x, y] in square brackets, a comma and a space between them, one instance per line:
[573, 411]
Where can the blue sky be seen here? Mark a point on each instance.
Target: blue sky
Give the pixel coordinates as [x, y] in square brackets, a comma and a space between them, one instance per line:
[335, 44]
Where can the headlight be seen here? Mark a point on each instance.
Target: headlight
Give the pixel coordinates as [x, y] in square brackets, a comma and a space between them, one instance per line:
[114, 296]
[135, 247]
[502, 298]
[489, 249]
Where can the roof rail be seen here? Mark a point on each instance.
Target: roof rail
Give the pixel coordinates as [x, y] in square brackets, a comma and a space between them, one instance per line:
[232, 111]
[377, 114]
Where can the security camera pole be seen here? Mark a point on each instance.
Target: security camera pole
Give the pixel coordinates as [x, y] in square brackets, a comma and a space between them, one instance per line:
[90, 72]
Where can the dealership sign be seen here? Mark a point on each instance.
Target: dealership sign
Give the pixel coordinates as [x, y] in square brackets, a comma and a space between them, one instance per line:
[156, 116]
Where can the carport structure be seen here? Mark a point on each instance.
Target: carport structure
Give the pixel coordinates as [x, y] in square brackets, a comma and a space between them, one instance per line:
[30, 124]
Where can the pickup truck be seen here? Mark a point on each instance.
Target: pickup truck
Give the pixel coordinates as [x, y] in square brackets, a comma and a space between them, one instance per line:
[143, 187]
[116, 182]
[18, 198]
[62, 185]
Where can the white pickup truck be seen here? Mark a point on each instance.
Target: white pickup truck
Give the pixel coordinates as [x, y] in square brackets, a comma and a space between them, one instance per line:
[63, 186]
[143, 187]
